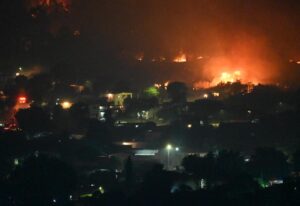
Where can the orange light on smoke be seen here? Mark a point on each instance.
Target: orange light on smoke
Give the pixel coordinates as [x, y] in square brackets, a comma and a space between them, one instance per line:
[227, 77]
[22, 100]
[180, 58]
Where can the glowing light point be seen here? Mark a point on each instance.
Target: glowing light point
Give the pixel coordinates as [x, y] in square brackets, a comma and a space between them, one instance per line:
[169, 147]
[216, 94]
[16, 162]
[110, 96]
[101, 190]
[22, 100]
[66, 105]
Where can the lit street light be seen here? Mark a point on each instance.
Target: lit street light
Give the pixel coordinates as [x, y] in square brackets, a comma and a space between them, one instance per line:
[169, 148]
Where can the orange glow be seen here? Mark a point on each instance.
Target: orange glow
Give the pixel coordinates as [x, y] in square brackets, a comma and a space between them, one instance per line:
[250, 88]
[180, 58]
[166, 84]
[66, 105]
[110, 96]
[247, 59]
[227, 77]
[22, 100]
[216, 94]
[202, 84]
[76, 33]
[157, 85]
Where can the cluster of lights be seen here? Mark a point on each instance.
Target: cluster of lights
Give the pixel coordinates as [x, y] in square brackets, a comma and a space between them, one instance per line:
[169, 147]
[164, 85]
[179, 58]
[216, 94]
[157, 85]
[18, 73]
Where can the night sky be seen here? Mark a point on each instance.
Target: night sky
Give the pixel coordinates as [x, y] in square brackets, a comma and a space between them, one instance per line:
[256, 36]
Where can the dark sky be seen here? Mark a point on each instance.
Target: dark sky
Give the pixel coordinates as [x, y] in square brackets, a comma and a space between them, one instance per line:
[256, 35]
[192, 25]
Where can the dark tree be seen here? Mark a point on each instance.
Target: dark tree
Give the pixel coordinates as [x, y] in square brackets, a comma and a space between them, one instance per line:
[98, 131]
[157, 182]
[39, 87]
[201, 167]
[269, 163]
[139, 104]
[41, 179]
[228, 164]
[33, 120]
[128, 170]
[79, 114]
[212, 168]
[203, 108]
[296, 161]
[177, 91]
[60, 118]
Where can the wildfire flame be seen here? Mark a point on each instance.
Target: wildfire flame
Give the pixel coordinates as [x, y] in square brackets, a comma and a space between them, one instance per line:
[180, 58]
[227, 77]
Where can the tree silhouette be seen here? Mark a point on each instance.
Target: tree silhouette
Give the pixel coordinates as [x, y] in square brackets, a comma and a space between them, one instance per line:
[40, 179]
[39, 87]
[128, 170]
[177, 91]
[296, 161]
[212, 168]
[33, 120]
[269, 163]
[200, 167]
[228, 164]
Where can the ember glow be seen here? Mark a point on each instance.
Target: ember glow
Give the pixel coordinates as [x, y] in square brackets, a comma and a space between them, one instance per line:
[181, 58]
[227, 77]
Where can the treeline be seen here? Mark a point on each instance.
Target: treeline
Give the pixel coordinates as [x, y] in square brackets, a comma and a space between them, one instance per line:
[267, 177]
